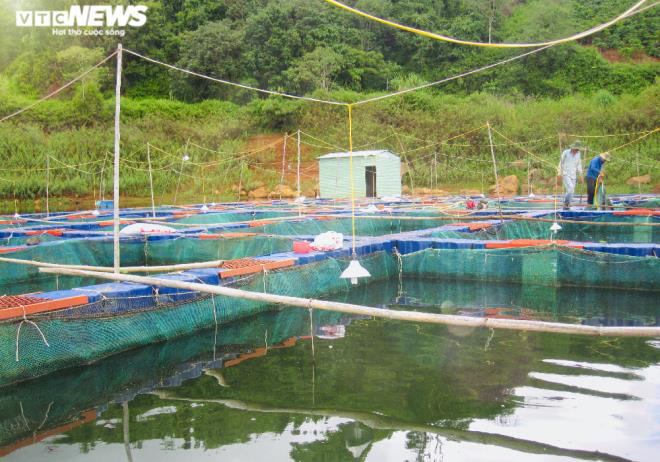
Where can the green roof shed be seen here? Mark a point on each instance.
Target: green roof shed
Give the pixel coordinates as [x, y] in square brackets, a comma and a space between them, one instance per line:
[376, 174]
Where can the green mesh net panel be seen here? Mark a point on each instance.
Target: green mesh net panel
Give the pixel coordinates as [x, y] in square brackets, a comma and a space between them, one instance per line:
[76, 340]
[592, 231]
[232, 217]
[17, 279]
[363, 226]
[556, 266]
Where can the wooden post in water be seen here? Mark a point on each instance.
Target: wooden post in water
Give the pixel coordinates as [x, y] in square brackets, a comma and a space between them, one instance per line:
[151, 182]
[126, 425]
[115, 196]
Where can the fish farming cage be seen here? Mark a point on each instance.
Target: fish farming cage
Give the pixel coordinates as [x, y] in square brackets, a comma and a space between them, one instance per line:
[56, 322]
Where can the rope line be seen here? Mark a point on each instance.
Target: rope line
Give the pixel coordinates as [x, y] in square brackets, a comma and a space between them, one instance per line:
[446, 38]
[448, 79]
[235, 84]
[63, 87]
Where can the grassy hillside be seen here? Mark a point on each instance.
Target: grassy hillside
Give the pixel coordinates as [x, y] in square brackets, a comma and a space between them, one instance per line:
[416, 125]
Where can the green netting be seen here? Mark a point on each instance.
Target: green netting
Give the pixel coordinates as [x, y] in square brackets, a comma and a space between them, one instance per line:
[82, 339]
[588, 231]
[28, 240]
[549, 266]
[363, 226]
[16, 279]
[232, 217]
[138, 369]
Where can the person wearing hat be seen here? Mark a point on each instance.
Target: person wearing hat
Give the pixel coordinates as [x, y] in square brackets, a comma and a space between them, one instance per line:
[570, 169]
[594, 174]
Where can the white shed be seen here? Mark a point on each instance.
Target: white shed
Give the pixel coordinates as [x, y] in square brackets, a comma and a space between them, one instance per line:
[376, 174]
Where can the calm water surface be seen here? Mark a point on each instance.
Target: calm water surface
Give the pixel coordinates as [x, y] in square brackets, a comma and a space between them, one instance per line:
[363, 389]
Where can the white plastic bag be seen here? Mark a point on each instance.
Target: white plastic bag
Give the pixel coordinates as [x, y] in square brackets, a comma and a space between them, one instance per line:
[146, 228]
[328, 241]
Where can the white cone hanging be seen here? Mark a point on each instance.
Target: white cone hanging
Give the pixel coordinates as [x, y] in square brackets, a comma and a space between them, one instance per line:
[96, 213]
[355, 271]
[204, 209]
[555, 227]
[17, 216]
[532, 195]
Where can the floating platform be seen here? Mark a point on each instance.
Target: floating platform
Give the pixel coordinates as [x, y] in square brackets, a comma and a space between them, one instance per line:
[49, 323]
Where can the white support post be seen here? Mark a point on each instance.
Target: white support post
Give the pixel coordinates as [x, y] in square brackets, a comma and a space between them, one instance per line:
[639, 183]
[126, 424]
[435, 170]
[299, 163]
[497, 181]
[240, 182]
[151, 182]
[178, 181]
[115, 196]
[47, 183]
[286, 135]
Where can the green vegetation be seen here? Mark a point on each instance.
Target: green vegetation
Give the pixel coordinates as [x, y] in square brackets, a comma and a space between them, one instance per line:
[412, 124]
[308, 47]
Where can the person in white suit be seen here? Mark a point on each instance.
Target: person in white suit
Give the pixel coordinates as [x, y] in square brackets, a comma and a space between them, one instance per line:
[570, 169]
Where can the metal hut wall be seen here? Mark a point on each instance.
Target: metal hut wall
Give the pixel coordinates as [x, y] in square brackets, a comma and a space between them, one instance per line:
[376, 174]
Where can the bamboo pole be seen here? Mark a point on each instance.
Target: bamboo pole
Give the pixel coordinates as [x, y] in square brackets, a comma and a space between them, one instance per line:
[125, 269]
[286, 135]
[298, 175]
[115, 196]
[639, 183]
[497, 181]
[435, 170]
[151, 182]
[183, 159]
[240, 182]
[127, 438]
[408, 164]
[309, 303]
[557, 175]
[47, 183]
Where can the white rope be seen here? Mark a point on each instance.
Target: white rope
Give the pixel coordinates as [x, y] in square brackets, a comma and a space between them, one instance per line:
[73, 167]
[464, 74]
[334, 146]
[239, 85]
[63, 87]
[18, 331]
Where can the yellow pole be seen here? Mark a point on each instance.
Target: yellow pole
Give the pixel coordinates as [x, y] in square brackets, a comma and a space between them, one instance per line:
[350, 168]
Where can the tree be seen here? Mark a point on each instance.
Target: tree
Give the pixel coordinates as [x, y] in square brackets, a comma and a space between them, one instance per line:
[75, 60]
[216, 50]
[315, 70]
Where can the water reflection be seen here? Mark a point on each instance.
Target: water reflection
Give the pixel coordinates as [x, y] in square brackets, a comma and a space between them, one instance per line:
[366, 390]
